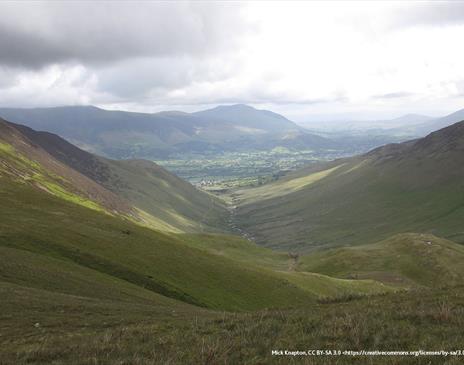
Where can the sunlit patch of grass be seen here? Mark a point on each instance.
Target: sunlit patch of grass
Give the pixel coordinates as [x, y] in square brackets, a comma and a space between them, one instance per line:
[283, 186]
[155, 223]
[32, 171]
[62, 193]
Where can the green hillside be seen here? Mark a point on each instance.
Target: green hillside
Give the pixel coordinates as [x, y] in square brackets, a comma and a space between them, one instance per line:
[406, 260]
[24, 162]
[286, 266]
[45, 225]
[163, 195]
[136, 189]
[409, 187]
[174, 266]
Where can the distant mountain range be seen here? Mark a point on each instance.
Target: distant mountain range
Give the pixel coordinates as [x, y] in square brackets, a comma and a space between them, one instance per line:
[438, 123]
[403, 121]
[119, 134]
[412, 125]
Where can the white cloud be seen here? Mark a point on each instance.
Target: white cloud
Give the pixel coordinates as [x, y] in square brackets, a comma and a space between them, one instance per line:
[305, 59]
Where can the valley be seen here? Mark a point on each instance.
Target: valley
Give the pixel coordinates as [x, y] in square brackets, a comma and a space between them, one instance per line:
[414, 186]
[223, 147]
[233, 169]
[98, 252]
[231, 182]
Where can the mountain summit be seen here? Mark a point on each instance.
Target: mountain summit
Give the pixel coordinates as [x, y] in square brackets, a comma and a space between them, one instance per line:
[247, 116]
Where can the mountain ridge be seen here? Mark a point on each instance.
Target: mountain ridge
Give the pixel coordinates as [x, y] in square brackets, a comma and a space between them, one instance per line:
[138, 190]
[120, 134]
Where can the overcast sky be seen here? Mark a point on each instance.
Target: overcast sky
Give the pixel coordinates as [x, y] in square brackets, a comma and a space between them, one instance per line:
[309, 61]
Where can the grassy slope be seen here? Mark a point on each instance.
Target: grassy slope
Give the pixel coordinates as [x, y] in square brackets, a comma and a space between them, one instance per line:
[405, 259]
[283, 265]
[14, 164]
[165, 196]
[71, 271]
[68, 297]
[428, 320]
[400, 188]
[163, 201]
[155, 261]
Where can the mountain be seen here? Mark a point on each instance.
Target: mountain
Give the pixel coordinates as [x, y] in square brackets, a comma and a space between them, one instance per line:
[26, 161]
[439, 123]
[406, 121]
[244, 116]
[374, 132]
[416, 125]
[119, 134]
[136, 189]
[412, 186]
[409, 119]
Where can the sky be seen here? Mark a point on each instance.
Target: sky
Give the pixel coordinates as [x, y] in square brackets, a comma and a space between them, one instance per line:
[307, 60]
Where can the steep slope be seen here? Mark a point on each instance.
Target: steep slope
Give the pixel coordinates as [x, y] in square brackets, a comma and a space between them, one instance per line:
[119, 134]
[404, 259]
[62, 247]
[165, 196]
[141, 189]
[23, 160]
[413, 186]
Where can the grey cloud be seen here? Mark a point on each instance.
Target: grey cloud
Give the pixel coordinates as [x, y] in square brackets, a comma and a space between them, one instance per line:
[136, 77]
[430, 13]
[133, 78]
[395, 95]
[35, 34]
[257, 96]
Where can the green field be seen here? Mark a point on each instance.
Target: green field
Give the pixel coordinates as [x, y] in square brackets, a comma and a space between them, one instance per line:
[234, 169]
